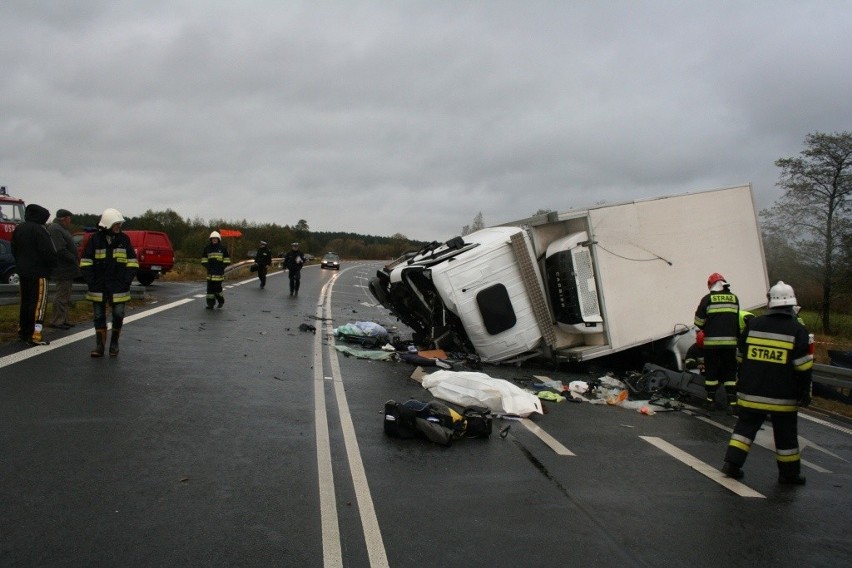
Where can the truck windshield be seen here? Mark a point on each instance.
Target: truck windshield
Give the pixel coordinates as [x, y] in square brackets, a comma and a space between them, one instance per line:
[12, 212]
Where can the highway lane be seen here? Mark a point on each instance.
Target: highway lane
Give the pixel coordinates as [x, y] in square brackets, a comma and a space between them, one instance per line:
[203, 444]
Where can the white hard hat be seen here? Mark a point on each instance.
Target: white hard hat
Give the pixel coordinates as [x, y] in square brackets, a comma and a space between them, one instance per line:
[781, 295]
[215, 235]
[110, 217]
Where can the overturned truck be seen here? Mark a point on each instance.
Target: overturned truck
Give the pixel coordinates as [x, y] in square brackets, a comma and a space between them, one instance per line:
[582, 283]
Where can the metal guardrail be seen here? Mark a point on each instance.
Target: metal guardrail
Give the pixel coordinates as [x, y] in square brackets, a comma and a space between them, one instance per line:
[832, 376]
[9, 293]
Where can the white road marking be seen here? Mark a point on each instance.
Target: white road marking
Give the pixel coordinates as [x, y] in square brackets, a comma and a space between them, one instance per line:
[369, 522]
[69, 339]
[549, 440]
[331, 549]
[766, 439]
[732, 484]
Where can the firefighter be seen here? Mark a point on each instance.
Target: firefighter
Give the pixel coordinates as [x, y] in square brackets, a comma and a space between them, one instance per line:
[718, 317]
[215, 258]
[775, 380]
[108, 265]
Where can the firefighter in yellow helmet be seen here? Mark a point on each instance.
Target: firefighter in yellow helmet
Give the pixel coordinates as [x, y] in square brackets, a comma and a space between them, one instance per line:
[775, 380]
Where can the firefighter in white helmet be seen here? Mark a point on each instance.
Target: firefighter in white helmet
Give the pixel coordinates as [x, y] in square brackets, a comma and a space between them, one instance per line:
[108, 265]
[775, 380]
[215, 258]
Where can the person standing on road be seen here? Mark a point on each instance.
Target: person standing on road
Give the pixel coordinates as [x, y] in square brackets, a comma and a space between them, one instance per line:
[775, 380]
[263, 258]
[35, 258]
[718, 316]
[108, 266]
[215, 258]
[66, 270]
[294, 260]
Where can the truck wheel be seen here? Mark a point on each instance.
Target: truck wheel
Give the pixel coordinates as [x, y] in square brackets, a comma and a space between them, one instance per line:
[13, 278]
[146, 277]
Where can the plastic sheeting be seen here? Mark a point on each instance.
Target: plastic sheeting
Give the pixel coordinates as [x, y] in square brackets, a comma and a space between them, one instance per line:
[470, 388]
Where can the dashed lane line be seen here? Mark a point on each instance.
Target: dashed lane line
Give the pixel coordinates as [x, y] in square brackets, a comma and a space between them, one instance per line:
[705, 469]
[765, 440]
[549, 440]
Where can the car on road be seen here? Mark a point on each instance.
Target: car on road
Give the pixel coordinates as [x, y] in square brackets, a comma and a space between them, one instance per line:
[331, 260]
[8, 272]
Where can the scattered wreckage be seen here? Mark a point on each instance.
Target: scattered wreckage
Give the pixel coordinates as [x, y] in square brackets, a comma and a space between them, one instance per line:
[580, 284]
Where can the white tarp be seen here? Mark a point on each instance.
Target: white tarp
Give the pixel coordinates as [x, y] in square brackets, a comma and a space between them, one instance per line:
[468, 388]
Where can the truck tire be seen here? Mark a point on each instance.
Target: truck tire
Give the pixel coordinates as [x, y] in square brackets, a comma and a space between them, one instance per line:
[146, 277]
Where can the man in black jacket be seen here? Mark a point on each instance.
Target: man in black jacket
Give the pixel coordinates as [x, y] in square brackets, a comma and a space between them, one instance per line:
[293, 262]
[35, 258]
[263, 258]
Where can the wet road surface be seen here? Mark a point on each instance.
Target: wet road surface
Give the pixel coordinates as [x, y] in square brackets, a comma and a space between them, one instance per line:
[233, 438]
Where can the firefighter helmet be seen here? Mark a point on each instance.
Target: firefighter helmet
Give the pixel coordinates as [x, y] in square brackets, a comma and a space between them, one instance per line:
[781, 295]
[713, 278]
[110, 217]
[215, 235]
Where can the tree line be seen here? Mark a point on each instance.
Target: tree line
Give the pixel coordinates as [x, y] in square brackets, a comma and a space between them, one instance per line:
[189, 236]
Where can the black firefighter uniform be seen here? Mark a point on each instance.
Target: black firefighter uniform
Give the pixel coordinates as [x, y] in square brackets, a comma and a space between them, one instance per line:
[775, 374]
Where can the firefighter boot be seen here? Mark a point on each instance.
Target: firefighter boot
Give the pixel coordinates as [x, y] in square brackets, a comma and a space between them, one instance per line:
[221, 299]
[100, 337]
[113, 342]
[797, 479]
[732, 471]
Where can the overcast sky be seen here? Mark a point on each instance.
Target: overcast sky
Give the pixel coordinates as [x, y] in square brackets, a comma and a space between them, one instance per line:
[409, 117]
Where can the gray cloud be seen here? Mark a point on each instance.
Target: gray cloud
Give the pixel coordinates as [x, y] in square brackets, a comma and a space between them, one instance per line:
[409, 117]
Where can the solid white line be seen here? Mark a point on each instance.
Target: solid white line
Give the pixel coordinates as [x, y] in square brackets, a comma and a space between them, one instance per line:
[825, 423]
[369, 522]
[552, 442]
[331, 550]
[732, 484]
[67, 340]
[765, 439]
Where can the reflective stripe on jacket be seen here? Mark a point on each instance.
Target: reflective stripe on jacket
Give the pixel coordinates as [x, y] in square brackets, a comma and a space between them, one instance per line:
[776, 365]
[108, 266]
[718, 316]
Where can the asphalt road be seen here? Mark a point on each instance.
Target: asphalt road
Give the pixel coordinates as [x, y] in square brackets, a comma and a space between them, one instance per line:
[233, 438]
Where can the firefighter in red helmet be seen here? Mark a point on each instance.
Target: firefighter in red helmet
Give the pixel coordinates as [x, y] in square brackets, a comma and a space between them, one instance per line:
[718, 317]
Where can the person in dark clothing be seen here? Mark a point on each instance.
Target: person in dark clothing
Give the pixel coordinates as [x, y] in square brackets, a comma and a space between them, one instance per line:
[66, 270]
[718, 316]
[263, 258]
[294, 260]
[775, 380]
[215, 258]
[108, 265]
[35, 258]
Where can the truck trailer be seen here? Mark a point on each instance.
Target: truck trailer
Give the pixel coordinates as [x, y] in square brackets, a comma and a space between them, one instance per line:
[582, 283]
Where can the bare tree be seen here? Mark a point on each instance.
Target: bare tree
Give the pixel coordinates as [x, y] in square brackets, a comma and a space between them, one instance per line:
[813, 214]
[477, 224]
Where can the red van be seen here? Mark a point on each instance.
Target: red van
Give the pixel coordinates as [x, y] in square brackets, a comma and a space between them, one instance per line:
[154, 252]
